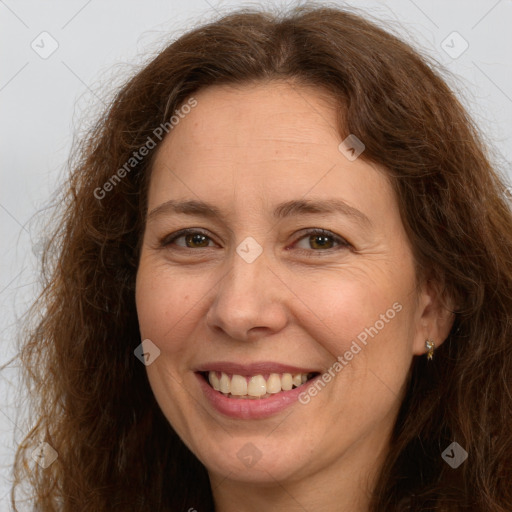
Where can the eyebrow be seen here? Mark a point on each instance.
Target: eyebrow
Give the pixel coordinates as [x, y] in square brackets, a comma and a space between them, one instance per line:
[282, 210]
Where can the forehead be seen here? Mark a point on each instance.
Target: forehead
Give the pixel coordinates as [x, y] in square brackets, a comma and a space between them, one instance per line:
[268, 140]
[276, 113]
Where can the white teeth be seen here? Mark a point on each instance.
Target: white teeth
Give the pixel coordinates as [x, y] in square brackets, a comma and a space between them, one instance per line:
[255, 386]
[274, 383]
[297, 380]
[224, 383]
[238, 385]
[214, 380]
[286, 382]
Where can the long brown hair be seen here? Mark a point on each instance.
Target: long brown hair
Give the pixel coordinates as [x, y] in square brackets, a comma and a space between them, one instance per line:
[91, 399]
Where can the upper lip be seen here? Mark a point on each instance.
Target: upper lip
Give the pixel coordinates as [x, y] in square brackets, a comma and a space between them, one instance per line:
[256, 368]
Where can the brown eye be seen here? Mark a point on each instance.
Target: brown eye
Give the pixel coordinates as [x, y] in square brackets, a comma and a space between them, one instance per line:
[196, 240]
[188, 239]
[320, 240]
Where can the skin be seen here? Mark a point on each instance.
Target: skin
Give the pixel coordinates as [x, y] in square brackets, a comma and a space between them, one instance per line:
[245, 150]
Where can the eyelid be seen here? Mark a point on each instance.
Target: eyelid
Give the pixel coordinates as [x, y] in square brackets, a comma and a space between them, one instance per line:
[168, 239]
[342, 242]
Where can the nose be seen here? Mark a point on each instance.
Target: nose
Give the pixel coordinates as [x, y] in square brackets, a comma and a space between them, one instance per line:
[250, 301]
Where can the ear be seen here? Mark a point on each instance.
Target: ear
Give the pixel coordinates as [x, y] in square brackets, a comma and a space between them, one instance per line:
[434, 317]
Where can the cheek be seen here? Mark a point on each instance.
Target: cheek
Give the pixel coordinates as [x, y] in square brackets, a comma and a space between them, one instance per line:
[364, 326]
[165, 304]
[339, 307]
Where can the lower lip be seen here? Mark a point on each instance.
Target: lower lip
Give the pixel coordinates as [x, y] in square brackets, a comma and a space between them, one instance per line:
[251, 409]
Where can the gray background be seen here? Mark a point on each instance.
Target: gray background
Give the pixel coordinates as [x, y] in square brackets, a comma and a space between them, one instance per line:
[45, 100]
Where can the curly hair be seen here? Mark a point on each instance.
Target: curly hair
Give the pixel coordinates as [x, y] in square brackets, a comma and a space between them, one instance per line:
[91, 399]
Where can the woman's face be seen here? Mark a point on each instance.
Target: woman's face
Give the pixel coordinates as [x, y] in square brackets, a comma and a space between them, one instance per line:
[296, 264]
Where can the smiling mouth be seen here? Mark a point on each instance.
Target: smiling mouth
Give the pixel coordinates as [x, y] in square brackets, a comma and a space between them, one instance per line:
[255, 386]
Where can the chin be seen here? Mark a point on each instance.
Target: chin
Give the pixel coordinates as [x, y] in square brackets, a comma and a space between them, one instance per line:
[254, 460]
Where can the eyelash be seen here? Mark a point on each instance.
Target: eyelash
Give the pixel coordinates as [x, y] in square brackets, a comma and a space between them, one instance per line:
[342, 243]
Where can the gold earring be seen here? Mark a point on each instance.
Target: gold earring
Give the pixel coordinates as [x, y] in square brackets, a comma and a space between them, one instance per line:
[430, 346]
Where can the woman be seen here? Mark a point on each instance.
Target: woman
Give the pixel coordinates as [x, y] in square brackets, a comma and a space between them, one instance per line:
[284, 283]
